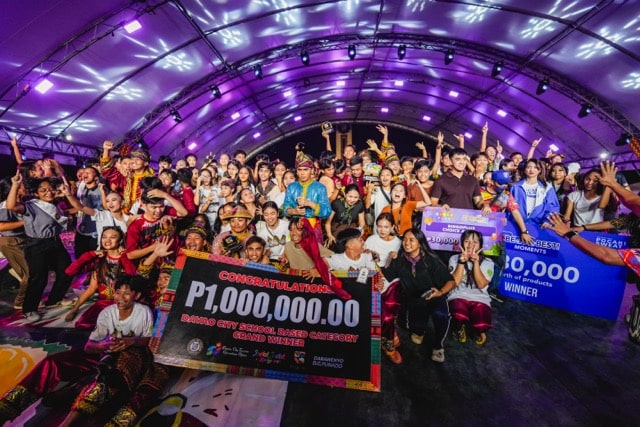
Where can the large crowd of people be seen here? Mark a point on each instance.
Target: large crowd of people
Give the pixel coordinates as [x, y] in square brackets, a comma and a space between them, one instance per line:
[347, 210]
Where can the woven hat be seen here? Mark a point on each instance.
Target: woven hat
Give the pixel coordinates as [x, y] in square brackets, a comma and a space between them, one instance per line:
[140, 153]
[196, 227]
[303, 160]
[237, 212]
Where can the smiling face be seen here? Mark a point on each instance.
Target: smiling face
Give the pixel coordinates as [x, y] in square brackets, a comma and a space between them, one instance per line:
[270, 216]
[410, 244]
[125, 297]
[470, 244]
[590, 181]
[352, 197]
[398, 193]
[295, 234]
[238, 225]
[232, 170]
[247, 196]
[194, 241]
[45, 192]
[264, 173]
[385, 177]
[254, 251]
[110, 239]
[114, 202]
[243, 175]
[288, 178]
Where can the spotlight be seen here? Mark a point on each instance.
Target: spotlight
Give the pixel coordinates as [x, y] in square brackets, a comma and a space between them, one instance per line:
[585, 110]
[543, 86]
[497, 68]
[352, 51]
[215, 91]
[402, 51]
[304, 57]
[625, 139]
[133, 26]
[257, 71]
[175, 115]
[44, 86]
[448, 56]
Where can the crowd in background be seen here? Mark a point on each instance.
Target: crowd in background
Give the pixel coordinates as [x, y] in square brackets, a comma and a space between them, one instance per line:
[356, 209]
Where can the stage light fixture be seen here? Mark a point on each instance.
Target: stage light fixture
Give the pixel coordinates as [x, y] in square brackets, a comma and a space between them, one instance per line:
[448, 56]
[352, 51]
[402, 51]
[257, 71]
[304, 57]
[215, 91]
[175, 115]
[44, 85]
[625, 139]
[543, 86]
[585, 110]
[133, 26]
[497, 68]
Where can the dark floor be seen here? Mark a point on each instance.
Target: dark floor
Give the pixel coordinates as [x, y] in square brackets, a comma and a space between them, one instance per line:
[540, 366]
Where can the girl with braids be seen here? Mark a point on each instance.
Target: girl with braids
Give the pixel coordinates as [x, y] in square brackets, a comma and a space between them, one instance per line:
[106, 265]
[401, 209]
[469, 301]
[346, 213]
[418, 281]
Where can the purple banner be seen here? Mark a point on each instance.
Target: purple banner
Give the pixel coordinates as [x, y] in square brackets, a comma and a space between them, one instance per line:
[444, 227]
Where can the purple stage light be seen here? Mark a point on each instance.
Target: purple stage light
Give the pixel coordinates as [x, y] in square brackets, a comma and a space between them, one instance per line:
[297, 118]
[502, 113]
[44, 86]
[453, 94]
[133, 26]
[384, 110]
[192, 146]
[287, 94]
[341, 83]
[426, 118]
[339, 110]
[467, 135]
[256, 135]
[398, 83]
[553, 147]
[235, 116]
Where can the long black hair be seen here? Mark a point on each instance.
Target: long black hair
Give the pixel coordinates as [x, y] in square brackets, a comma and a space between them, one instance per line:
[425, 249]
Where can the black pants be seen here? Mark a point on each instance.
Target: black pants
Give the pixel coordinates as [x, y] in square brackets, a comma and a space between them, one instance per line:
[83, 243]
[419, 312]
[44, 255]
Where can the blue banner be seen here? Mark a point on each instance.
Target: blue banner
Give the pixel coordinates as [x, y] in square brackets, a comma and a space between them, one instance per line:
[553, 272]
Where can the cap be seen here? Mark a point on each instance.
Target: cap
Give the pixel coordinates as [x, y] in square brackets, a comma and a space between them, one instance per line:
[502, 177]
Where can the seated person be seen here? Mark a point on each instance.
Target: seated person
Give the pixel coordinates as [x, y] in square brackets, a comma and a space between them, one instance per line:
[469, 302]
[254, 249]
[122, 333]
[304, 253]
[350, 253]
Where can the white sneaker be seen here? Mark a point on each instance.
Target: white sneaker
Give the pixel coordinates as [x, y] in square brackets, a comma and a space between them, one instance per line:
[438, 355]
[33, 316]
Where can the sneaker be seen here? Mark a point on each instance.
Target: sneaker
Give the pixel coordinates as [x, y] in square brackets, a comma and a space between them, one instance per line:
[69, 302]
[481, 339]
[494, 296]
[438, 355]
[417, 339]
[32, 316]
[395, 356]
[461, 334]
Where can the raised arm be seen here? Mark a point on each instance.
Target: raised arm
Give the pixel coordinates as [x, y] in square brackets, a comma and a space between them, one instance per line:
[16, 150]
[483, 140]
[12, 198]
[532, 150]
[438, 157]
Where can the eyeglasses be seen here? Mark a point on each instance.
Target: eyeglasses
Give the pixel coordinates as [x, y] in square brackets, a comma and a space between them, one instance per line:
[46, 190]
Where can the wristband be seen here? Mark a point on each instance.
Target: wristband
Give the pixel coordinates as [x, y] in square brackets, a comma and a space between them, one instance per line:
[524, 232]
[570, 234]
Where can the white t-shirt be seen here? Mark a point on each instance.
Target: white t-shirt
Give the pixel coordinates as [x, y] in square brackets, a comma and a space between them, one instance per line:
[467, 289]
[382, 248]
[585, 211]
[531, 191]
[105, 219]
[342, 262]
[275, 238]
[138, 324]
[379, 201]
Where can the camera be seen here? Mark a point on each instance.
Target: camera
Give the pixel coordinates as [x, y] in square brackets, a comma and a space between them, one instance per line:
[231, 244]
[326, 127]
[427, 294]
